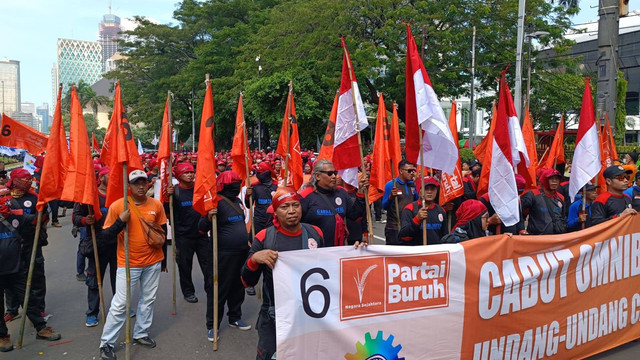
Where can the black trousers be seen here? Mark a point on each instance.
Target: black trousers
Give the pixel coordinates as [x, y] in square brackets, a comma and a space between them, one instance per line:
[107, 256]
[185, 249]
[266, 336]
[53, 205]
[230, 288]
[38, 283]
[377, 208]
[17, 284]
[391, 236]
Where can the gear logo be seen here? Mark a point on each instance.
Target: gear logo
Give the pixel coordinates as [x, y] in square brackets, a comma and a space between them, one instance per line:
[376, 349]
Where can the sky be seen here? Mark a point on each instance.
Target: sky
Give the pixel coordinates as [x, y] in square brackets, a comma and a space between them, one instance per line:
[30, 30]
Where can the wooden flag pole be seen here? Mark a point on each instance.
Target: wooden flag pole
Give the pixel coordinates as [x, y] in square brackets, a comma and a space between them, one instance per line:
[363, 165]
[127, 269]
[27, 292]
[98, 270]
[395, 198]
[174, 310]
[214, 234]
[584, 202]
[424, 222]
[288, 119]
[246, 166]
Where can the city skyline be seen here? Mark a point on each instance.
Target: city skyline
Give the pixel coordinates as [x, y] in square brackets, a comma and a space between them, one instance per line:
[39, 55]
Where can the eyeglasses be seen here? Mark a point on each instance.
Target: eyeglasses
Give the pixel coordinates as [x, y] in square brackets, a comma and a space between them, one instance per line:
[410, 171]
[622, 178]
[330, 173]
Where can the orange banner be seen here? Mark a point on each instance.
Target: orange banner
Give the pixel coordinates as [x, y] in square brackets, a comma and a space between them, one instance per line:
[15, 134]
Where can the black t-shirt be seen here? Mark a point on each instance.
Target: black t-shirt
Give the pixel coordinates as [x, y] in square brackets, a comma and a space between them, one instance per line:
[232, 230]
[262, 196]
[411, 230]
[185, 217]
[608, 206]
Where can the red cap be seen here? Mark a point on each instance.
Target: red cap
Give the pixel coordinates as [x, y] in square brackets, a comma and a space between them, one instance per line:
[182, 168]
[226, 178]
[428, 180]
[263, 166]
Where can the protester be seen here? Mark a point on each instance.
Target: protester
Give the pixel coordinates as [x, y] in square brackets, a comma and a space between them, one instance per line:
[11, 276]
[287, 234]
[146, 262]
[473, 222]
[261, 194]
[633, 192]
[495, 223]
[415, 215]
[107, 250]
[613, 203]
[189, 240]
[403, 189]
[327, 206]
[577, 217]
[470, 182]
[629, 163]
[233, 244]
[357, 229]
[545, 206]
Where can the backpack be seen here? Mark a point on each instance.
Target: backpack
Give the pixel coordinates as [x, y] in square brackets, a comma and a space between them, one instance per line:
[307, 232]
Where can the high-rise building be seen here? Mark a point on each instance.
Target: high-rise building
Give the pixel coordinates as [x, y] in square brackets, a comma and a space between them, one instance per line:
[28, 107]
[43, 112]
[78, 60]
[108, 33]
[27, 119]
[10, 86]
[54, 83]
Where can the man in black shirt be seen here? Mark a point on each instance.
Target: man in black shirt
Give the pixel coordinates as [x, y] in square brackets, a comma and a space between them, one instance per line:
[262, 193]
[614, 203]
[189, 240]
[414, 214]
[545, 206]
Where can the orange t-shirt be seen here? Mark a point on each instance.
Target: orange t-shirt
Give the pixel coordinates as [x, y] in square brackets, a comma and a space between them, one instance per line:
[140, 253]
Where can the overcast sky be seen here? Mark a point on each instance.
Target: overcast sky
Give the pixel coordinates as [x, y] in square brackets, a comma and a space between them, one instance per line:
[30, 29]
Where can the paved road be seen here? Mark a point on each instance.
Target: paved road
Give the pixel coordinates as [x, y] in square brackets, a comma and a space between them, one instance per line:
[182, 336]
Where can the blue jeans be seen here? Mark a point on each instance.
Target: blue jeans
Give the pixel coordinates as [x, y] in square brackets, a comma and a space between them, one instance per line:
[149, 277]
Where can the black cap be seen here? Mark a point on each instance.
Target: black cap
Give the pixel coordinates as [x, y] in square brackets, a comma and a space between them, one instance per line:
[615, 170]
[590, 187]
[634, 156]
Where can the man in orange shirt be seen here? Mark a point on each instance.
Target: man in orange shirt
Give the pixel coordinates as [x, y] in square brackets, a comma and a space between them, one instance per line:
[146, 263]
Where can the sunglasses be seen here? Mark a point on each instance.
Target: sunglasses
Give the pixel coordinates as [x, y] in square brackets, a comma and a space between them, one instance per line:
[330, 173]
[622, 178]
[410, 171]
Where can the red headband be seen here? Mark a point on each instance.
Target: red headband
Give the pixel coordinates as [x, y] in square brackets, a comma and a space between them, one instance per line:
[283, 195]
[182, 168]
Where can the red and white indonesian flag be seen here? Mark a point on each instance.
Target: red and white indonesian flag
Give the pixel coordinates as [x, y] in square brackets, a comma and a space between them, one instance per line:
[508, 149]
[586, 157]
[438, 147]
[346, 150]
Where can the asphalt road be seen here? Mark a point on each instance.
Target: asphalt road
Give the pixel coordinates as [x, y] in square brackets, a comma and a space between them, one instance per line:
[180, 336]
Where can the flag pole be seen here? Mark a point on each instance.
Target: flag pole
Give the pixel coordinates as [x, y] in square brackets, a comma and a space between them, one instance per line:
[97, 262]
[127, 268]
[288, 120]
[362, 164]
[246, 166]
[174, 310]
[214, 234]
[395, 198]
[424, 222]
[25, 304]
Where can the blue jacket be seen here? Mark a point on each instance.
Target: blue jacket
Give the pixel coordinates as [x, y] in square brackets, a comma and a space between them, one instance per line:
[574, 210]
[405, 187]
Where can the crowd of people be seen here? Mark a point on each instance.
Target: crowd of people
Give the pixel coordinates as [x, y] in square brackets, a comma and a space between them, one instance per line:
[324, 212]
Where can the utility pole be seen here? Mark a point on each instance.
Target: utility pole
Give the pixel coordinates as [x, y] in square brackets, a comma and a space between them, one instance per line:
[606, 64]
[472, 111]
[518, 90]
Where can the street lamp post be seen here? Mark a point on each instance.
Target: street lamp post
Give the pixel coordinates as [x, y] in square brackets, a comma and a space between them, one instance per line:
[259, 121]
[537, 35]
[193, 125]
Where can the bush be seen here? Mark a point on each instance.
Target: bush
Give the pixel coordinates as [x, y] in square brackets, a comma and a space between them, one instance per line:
[467, 155]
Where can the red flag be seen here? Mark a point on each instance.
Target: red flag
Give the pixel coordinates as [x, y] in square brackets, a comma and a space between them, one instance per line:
[326, 152]
[289, 135]
[80, 179]
[240, 148]
[55, 162]
[18, 135]
[483, 154]
[451, 185]
[119, 147]
[95, 147]
[529, 173]
[164, 151]
[556, 152]
[381, 165]
[204, 192]
[394, 139]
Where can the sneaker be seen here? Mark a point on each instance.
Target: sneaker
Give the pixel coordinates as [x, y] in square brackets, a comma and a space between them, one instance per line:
[132, 313]
[191, 299]
[81, 277]
[8, 317]
[48, 334]
[383, 221]
[251, 291]
[146, 342]
[6, 345]
[106, 353]
[56, 224]
[210, 335]
[240, 324]
[92, 321]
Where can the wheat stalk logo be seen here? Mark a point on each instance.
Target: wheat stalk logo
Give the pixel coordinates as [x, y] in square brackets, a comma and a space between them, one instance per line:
[361, 283]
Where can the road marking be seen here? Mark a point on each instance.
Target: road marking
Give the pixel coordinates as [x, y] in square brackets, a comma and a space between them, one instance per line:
[380, 238]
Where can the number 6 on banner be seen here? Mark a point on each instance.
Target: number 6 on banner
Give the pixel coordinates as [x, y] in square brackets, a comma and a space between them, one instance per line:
[307, 292]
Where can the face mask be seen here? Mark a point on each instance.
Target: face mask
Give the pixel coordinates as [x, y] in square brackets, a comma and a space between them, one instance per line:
[232, 190]
[264, 177]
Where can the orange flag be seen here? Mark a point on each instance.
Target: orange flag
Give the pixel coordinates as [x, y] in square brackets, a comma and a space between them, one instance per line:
[326, 152]
[289, 134]
[119, 147]
[394, 139]
[80, 180]
[15, 134]
[55, 162]
[204, 192]
[94, 144]
[381, 165]
[165, 150]
[529, 173]
[451, 185]
[556, 152]
[485, 156]
[240, 149]
[612, 143]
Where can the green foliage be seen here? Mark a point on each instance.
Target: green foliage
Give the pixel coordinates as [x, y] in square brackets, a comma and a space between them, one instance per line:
[467, 155]
[621, 110]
